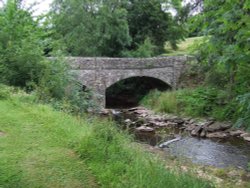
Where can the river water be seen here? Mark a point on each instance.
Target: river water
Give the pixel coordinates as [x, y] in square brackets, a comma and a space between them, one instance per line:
[230, 152]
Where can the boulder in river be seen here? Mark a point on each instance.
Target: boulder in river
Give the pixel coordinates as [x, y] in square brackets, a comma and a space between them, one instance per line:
[196, 131]
[190, 127]
[145, 129]
[246, 136]
[217, 135]
[203, 133]
[236, 132]
[217, 126]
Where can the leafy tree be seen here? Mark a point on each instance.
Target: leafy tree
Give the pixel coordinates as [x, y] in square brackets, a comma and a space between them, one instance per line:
[226, 23]
[111, 28]
[91, 27]
[148, 19]
[21, 52]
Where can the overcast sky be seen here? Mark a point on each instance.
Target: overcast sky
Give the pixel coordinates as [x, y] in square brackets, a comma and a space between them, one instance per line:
[41, 7]
[44, 5]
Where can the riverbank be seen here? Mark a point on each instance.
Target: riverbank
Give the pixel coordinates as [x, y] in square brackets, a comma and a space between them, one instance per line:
[219, 159]
[41, 147]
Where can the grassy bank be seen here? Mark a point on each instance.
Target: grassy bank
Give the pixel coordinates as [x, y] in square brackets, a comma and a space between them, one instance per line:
[201, 102]
[41, 147]
[184, 47]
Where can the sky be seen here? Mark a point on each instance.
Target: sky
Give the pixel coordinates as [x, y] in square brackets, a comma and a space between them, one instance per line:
[41, 7]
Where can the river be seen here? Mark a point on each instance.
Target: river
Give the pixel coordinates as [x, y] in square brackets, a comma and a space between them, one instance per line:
[222, 153]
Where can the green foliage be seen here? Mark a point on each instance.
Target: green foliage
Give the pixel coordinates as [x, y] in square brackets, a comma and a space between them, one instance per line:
[151, 100]
[144, 50]
[202, 102]
[60, 88]
[22, 61]
[243, 112]
[199, 102]
[91, 28]
[226, 23]
[21, 50]
[147, 19]
[114, 28]
[162, 102]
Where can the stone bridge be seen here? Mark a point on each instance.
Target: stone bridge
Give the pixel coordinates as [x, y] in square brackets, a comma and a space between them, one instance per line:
[99, 74]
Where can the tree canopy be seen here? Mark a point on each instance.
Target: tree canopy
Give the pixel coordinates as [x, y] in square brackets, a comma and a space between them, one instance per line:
[110, 28]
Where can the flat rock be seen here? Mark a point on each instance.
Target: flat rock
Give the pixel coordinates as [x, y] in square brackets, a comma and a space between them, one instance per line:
[247, 138]
[137, 108]
[217, 126]
[217, 135]
[203, 133]
[190, 127]
[236, 132]
[105, 112]
[245, 134]
[144, 129]
[196, 131]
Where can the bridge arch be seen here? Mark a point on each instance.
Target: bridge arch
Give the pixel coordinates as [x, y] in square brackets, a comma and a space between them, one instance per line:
[100, 73]
[129, 92]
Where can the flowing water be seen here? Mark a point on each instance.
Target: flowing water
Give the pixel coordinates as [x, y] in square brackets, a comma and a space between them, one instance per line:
[231, 152]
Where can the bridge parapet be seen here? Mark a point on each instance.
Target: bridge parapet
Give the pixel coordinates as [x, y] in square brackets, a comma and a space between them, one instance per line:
[88, 63]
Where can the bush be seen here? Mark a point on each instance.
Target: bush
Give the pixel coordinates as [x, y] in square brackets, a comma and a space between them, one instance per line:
[60, 88]
[21, 49]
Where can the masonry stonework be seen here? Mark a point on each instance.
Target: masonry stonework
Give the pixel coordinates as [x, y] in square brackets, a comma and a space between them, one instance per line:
[100, 73]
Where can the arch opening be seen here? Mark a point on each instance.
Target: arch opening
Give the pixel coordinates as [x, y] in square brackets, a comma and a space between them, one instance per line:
[129, 92]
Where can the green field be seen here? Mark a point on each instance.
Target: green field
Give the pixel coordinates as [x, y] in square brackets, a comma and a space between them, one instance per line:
[184, 47]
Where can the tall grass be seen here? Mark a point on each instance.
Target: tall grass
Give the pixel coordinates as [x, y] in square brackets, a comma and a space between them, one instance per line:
[201, 102]
[117, 162]
[45, 148]
[161, 102]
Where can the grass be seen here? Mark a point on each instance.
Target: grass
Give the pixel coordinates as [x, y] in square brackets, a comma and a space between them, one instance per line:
[41, 147]
[184, 47]
[202, 101]
[35, 148]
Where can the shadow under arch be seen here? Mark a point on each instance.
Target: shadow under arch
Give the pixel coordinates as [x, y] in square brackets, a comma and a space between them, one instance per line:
[128, 92]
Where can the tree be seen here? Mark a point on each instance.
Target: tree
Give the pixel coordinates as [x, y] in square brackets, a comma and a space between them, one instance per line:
[21, 51]
[226, 23]
[148, 19]
[114, 27]
[91, 27]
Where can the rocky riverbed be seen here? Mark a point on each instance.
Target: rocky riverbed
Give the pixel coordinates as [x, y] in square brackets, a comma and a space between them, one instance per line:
[204, 141]
[144, 120]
